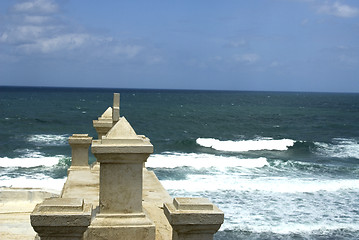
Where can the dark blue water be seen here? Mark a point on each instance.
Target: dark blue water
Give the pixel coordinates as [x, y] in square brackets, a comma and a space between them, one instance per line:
[280, 165]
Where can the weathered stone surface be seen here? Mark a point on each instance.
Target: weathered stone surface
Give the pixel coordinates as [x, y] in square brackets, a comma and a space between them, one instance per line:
[121, 139]
[16, 204]
[61, 205]
[192, 204]
[107, 114]
[116, 107]
[61, 218]
[121, 154]
[121, 226]
[104, 123]
[193, 218]
[80, 144]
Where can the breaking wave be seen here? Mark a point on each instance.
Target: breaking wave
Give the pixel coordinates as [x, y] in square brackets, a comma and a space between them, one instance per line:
[246, 145]
[48, 139]
[35, 181]
[198, 161]
[340, 148]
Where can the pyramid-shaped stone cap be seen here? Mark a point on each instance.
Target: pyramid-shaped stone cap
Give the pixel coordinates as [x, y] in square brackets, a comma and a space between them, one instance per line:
[122, 139]
[107, 114]
[105, 121]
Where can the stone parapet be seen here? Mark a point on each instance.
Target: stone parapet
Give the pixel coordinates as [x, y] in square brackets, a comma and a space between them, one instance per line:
[61, 218]
[193, 218]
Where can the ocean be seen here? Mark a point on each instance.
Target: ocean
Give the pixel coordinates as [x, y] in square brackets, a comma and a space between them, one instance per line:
[281, 165]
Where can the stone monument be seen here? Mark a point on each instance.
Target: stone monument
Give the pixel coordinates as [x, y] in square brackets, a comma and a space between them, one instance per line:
[121, 154]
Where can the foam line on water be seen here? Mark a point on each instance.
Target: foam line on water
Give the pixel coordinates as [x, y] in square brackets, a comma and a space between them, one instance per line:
[28, 162]
[48, 139]
[303, 229]
[36, 181]
[340, 148]
[198, 161]
[246, 145]
[232, 182]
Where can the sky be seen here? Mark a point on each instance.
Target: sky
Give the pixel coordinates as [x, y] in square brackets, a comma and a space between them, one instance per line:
[257, 45]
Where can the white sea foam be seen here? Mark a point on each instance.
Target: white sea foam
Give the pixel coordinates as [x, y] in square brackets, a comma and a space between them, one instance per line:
[294, 228]
[48, 139]
[198, 161]
[246, 145]
[27, 162]
[341, 148]
[36, 181]
[236, 182]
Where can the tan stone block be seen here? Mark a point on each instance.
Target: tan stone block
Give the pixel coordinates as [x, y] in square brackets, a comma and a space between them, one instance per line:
[193, 218]
[61, 218]
[121, 226]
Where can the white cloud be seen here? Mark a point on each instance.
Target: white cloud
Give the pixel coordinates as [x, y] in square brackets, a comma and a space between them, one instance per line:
[57, 43]
[305, 22]
[36, 19]
[237, 43]
[24, 33]
[36, 6]
[155, 59]
[248, 58]
[347, 59]
[275, 64]
[128, 50]
[338, 9]
[33, 30]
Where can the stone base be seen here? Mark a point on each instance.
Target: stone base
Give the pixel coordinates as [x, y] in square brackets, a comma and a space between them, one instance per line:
[95, 166]
[78, 168]
[121, 226]
[61, 218]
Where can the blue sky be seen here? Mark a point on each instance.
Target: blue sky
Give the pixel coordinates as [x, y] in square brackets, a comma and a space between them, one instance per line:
[274, 45]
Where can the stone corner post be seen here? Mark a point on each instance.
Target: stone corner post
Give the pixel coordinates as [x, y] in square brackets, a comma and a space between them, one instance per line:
[121, 154]
[80, 144]
[61, 218]
[193, 218]
[104, 123]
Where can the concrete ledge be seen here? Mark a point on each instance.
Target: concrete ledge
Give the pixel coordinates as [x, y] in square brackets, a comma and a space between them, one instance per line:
[15, 207]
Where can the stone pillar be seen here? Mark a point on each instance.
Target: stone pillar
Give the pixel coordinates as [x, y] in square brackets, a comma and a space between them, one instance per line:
[80, 144]
[109, 118]
[104, 123]
[61, 218]
[116, 108]
[121, 154]
[193, 218]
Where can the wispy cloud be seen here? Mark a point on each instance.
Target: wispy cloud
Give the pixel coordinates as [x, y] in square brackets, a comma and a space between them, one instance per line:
[56, 43]
[248, 58]
[275, 64]
[36, 6]
[35, 27]
[338, 9]
[236, 43]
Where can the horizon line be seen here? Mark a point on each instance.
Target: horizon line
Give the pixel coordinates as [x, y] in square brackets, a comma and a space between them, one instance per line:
[169, 89]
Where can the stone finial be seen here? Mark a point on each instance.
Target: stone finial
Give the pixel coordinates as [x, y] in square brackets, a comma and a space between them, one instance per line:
[116, 107]
[122, 139]
[104, 123]
[61, 218]
[193, 218]
[107, 114]
[80, 144]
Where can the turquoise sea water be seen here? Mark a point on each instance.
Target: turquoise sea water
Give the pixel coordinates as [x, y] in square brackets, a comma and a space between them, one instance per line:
[280, 165]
